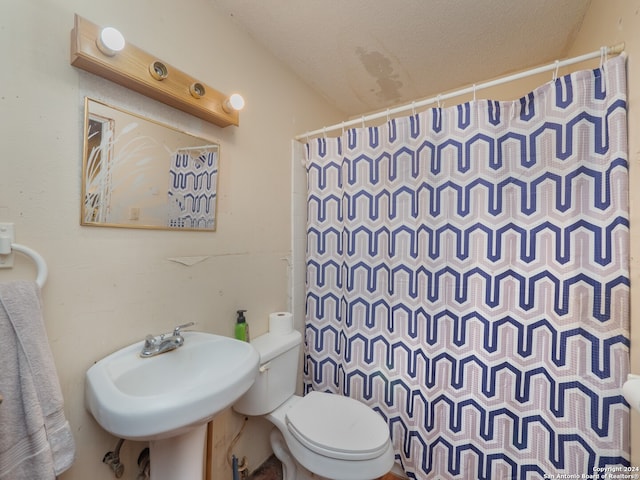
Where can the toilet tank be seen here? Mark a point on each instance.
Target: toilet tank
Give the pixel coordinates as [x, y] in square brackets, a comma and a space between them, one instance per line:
[276, 381]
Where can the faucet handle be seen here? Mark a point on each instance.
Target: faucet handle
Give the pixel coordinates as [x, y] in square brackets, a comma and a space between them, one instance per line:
[150, 345]
[176, 330]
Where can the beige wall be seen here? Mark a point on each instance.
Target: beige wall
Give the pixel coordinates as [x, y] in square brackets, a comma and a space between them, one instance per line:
[110, 287]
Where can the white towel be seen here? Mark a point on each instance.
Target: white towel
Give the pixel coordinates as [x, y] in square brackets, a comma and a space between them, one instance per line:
[35, 438]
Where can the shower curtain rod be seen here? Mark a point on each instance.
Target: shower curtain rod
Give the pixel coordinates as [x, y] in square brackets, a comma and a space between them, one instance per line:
[604, 51]
[202, 147]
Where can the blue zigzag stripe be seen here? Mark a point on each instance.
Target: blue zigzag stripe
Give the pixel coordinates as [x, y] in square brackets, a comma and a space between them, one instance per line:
[434, 283]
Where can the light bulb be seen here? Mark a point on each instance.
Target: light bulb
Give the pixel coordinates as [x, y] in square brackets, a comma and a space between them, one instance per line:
[234, 102]
[110, 41]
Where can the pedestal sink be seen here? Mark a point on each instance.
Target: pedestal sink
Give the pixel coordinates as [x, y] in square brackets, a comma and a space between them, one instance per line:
[168, 399]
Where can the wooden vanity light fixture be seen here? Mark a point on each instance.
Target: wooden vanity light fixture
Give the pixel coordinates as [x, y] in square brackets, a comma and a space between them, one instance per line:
[134, 68]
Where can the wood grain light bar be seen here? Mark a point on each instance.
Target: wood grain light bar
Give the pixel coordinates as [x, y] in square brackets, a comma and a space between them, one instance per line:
[133, 68]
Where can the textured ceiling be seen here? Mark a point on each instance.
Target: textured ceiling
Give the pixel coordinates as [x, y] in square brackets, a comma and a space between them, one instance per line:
[368, 55]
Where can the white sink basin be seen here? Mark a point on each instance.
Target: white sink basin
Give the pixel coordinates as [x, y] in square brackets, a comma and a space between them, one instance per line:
[163, 396]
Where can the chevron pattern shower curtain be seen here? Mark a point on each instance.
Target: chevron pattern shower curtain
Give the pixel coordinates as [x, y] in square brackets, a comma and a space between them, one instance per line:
[467, 277]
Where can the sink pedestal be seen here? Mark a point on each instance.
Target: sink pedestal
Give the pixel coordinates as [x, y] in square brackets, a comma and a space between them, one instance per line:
[180, 457]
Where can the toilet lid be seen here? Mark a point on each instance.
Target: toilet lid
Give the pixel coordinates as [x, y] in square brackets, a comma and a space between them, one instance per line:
[338, 427]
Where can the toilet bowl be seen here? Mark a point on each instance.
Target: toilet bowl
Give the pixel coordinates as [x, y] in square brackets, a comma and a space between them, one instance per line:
[320, 435]
[334, 436]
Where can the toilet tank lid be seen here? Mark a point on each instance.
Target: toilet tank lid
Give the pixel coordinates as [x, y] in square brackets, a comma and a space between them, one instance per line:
[270, 346]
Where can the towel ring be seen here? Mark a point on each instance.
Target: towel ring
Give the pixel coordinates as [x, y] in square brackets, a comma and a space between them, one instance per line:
[41, 265]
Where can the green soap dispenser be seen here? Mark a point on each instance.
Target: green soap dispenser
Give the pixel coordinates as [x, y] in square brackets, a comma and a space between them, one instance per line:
[242, 327]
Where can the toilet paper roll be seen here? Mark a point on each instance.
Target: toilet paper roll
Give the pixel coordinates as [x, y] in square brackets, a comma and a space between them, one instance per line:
[631, 391]
[280, 323]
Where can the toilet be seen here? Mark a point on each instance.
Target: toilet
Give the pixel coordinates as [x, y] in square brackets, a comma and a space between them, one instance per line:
[320, 435]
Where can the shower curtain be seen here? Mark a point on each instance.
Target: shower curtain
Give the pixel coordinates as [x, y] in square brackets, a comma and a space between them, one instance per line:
[467, 277]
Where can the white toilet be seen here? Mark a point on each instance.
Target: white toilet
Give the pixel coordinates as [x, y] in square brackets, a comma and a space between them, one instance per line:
[320, 435]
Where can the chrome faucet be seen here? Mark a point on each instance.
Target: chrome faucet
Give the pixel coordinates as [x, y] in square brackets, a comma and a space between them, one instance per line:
[155, 345]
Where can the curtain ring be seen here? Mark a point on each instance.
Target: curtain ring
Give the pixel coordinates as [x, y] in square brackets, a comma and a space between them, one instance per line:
[388, 115]
[603, 59]
[342, 127]
[413, 108]
[555, 72]
[363, 126]
[474, 92]
[438, 99]
[324, 132]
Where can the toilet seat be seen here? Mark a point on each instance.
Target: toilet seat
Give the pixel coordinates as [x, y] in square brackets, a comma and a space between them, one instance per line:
[338, 427]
